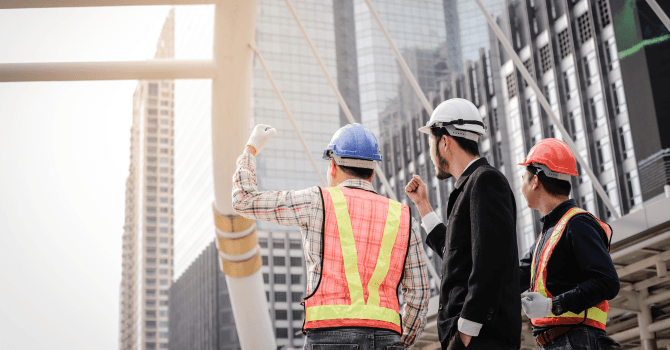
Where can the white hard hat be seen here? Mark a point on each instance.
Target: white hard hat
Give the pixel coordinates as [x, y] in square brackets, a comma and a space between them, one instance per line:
[459, 116]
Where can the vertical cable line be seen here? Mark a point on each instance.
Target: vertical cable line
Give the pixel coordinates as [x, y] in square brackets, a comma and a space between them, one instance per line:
[340, 99]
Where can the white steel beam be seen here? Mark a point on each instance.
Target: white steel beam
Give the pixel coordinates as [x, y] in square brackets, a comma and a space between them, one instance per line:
[32, 4]
[659, 12]
[547, 108]
[131, 70]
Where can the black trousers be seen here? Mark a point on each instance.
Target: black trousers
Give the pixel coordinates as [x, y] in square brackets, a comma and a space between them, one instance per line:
[477, 343]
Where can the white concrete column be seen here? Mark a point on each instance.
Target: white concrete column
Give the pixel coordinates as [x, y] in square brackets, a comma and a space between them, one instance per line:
[239, 254]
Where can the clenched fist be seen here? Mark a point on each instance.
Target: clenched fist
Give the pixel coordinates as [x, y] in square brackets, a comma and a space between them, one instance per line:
[417, 192]
[260, 136]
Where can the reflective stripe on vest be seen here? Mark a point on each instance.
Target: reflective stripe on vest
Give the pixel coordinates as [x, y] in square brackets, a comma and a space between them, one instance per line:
[595, 316]
[358, 312]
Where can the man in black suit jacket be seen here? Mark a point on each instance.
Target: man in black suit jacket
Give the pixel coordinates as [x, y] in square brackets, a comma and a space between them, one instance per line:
[479, 298]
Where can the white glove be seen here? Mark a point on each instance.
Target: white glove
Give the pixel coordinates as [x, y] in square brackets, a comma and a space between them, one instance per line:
[260, 136]
[536, 305]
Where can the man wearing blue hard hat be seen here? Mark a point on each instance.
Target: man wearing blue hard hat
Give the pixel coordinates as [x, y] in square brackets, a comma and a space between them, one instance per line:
[360, 247]
[479, 298]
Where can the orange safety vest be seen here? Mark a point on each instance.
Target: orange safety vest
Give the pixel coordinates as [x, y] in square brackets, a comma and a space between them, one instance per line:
[365, 241]
[595, 316]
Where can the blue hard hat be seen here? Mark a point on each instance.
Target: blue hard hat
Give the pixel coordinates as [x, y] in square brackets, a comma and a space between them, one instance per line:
[354, 141]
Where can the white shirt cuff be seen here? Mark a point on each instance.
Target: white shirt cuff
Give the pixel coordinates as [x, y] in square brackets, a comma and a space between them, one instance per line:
[469, 327]
[429, 221]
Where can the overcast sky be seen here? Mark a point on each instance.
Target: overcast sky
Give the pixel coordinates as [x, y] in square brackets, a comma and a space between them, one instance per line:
[64, 156]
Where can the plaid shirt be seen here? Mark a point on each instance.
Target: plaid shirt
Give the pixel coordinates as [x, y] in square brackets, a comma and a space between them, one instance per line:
[304, 209]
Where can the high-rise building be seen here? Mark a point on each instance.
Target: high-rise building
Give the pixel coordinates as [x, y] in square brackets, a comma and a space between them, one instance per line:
[148, 230]
[570, 50]
[643, 47]
[285, 276]
[201, 316]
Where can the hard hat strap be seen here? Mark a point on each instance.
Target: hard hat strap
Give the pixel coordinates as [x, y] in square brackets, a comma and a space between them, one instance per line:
[462, 133]
[353, 162]
[552, 174]
[460, 122]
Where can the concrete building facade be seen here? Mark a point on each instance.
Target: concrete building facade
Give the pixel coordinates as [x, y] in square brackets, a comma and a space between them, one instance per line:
[148, 231]
[201, 316]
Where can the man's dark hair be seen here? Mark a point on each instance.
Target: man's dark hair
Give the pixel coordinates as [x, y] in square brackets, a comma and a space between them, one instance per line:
[361, 173]
[469, 146]
[555, 187]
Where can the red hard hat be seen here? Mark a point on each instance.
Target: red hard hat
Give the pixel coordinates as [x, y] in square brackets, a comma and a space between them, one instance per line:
[555, 154]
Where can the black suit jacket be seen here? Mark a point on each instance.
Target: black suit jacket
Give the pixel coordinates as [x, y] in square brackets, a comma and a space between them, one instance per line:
[480, 274]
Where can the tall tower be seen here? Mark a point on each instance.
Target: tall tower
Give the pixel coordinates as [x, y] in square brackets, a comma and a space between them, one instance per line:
[148, 231]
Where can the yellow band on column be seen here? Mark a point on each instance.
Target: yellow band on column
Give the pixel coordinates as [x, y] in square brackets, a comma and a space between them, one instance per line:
[239, 269]
[231, 223]
[238, 246]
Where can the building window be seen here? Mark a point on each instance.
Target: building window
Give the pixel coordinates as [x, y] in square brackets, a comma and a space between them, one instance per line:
[576, 124]
[164, 230]
[613, 194]
[152, 139]
[282, 333]
[151, 272]
[297, 315]
[151, 303]
[151, 251]
[633, 184]
[164, 335]
[163, 261]
[280, 278]
[150, 313]
[150, 335]
[619, 96]
[626, 140]
[281, 315]
[280, 296]
[278, 243]
[598, 111]
[545, 58]
[604, 154]
[163, 271]
[591, 68]
[612, 54]
[152, 111]
[263, 242]
[295, 244]
[296, 261]
[296, 297]
[152, 345]
[527, 64]
[164, 112]
[164, 345]
[588, 203]
[164, 140]
[533, 113]
[511, 86]
[163, 324]
[151, 261]
[152, 102]
[584, 24]
[266, 278]
[603, 7]
[164, 282]
[267, 295]
[296, 279]
[153, 90]
[265, 260]
[564, 43]
[165, 293]
[279, 261]
[570, 83]
[163, 302]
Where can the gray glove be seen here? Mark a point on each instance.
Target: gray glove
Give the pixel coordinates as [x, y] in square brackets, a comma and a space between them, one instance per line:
[536, 305]
[260, 136]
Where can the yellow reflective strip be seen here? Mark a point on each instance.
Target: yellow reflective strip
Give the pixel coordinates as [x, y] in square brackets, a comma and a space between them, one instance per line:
[348, 244]
[594, 314]
[384, 258]
[558, 229]
[358, 312]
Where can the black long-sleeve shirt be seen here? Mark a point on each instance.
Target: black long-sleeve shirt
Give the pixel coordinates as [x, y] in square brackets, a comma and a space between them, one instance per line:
[580, 270]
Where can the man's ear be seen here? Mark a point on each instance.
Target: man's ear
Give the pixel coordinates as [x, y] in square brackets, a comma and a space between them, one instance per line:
[372, 176]
[333, 169]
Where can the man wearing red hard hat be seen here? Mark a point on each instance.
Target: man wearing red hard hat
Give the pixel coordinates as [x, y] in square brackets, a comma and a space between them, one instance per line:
[568, 273]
